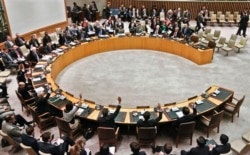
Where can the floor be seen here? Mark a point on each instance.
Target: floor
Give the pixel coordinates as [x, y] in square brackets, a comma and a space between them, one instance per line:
[148, 77]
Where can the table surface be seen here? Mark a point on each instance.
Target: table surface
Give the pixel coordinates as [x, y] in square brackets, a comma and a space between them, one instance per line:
[128, 115]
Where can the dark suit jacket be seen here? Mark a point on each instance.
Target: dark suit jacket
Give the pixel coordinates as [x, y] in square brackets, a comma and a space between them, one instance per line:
[14, 55]
[150, 122]
[30, 141]
[19, 42]
[32, 56]
[49, 148]
[34, 43]
[42, 105]
[140, 153]
[199, 151]
[46, 39]
[219, 149]
[109, 121]
[185, 119]
[24, 92]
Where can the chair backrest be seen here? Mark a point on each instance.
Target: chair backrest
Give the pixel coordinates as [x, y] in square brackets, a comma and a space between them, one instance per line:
[213, 17]
[222, 40]
[238, 105]
[19, 96]
[211, 44]
[207, 30]
[222, 17]
[231, 43]
[233, 37]
[146, 133]
[34, 115]
[217, 33]
[219, 13]
[63, 125]
[8, 138]
[243, 41]
[24, 50]
[28, 149]
[186, 129]
[89, 101]
[200, 34]
[209, 36]
[105, 134]
[58, 30]
[193, 97]
[42, 34]
[230, 17]
[210, 13]
[194, 39]
[142, 107]
[216, 118]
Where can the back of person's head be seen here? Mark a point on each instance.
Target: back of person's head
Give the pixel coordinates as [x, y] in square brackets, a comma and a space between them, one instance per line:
[8, 118]
[135, 147]
[105, 112]
[68, 107]
[46, 136]
[201, 141]
[104, 150]
[146, 115]
[29, 130]
[167, 148]
[224, 138]
[185, 110]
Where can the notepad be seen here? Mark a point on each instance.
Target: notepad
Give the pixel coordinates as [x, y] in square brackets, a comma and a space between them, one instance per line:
[36, 79]
[217, 92]
[39, 66]
[39, 89]
[179, 114]
[199, 102]
[112, 111]
[72, 43]
[175, 109]
[79, 111]
[85, 106]
[141, 117]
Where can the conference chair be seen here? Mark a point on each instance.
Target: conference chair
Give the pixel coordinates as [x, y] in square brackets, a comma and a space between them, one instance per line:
[64, 127]
[246, 137]
[218, 14]
[241, 44]
[212, 121]
[43, 121]
[208, 38]
[58, 31]
[233, 108]
[185, 131]
[230, 19]
[4, 73]
[213, 19]
[24, 50]
[14, 144]
[142, 107]
[29, 150]
[222, 19]
[146, 136]
[42, 34]
[227, 13]
[200, 35]
[191, 98]
[240, 147]
[216, 34]
[229, 47]
[232, 37]
[220, 43]
[108, 136]
[238, 18]
[211, 13]
[25, 103]
[236, 13]
[207, 31]
[54, 38]
[211, 44]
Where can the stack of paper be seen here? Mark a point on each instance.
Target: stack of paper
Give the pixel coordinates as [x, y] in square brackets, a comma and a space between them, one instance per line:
[79, 111]
[175, 109]
[199, 102]
[179, 114]
[36, 79]
[39, 89]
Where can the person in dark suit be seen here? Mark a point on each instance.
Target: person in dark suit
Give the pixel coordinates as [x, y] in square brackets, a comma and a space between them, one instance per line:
[34, 41]
[20, 41]
[93, 10]
[16, 53]
[33, 56]
[42, 103]
[147, 122]
[29, 140]
[135, 148]
[157, 30]
[47, 147]
[221, 149]
[25, 93]
[108, 120]
[9, 43]
[46, 39]
[201, 149]
[9, 62]
[243, 23]
[187, 116]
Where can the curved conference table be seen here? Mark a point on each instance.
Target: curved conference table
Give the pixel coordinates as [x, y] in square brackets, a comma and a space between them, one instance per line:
[215, 95]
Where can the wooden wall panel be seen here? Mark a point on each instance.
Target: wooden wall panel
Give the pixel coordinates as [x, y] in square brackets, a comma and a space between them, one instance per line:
[194, 7]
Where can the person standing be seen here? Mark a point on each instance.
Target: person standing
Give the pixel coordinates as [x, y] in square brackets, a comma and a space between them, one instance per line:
[93, 9]
[243, 23]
